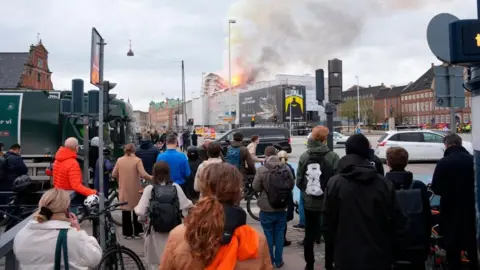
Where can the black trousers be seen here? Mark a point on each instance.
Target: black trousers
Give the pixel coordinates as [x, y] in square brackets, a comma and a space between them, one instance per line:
[314, 229]
[130, 224]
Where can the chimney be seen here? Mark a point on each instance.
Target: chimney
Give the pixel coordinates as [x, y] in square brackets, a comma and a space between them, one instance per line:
[433, 65]
[369, 86]
[382, 85]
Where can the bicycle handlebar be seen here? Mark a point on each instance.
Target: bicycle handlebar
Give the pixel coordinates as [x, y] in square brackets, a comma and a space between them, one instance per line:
[105, 210]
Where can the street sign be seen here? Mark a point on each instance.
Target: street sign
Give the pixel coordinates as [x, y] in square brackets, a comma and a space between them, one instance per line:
[449, 91]
[465, 42]
[438, 35]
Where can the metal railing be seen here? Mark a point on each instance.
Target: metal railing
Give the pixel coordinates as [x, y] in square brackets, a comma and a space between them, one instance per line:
[6, 242]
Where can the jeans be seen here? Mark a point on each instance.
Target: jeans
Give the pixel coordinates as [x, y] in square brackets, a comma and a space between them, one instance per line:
[273, 225]
[301, 211]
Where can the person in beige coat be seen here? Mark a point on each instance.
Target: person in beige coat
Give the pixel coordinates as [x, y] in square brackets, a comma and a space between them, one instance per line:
[155, 241]
[128, 171]
[252, 148]
[214, 153]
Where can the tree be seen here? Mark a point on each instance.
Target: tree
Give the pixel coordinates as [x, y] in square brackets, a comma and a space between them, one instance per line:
[348, 110]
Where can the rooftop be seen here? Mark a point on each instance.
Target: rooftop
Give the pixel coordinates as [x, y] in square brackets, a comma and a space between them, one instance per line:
[11, 68]
[169, 103]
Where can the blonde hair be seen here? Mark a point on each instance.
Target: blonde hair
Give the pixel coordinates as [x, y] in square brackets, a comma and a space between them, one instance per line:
[55, 200]
[283, 156]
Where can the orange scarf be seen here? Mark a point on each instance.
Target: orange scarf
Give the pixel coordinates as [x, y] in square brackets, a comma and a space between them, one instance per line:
[243, 246]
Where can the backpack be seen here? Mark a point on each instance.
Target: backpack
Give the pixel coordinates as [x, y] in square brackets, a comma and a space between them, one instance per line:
[279, 191]
[233, 156]
[411, 203]
[317, 173]
[164, 208]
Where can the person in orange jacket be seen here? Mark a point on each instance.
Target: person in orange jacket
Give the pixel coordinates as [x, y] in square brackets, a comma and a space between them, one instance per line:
[66, 170]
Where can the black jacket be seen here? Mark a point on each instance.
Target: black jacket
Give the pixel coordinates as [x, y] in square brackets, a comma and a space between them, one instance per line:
[454, 181]
[14, 167]
[194, 139]
[404, 179]
[148, 153]
[377, 162]
[193, 164]
[363, 219]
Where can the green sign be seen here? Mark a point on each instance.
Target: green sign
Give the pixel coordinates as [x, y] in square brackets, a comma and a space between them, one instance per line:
[10, 118]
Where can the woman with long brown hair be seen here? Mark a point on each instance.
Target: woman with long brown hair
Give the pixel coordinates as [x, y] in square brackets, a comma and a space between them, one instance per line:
[155, 194]
[215, 234]
[128, 171]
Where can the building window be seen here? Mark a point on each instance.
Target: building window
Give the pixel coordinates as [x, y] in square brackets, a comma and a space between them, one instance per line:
[40, 63]
[423, 95]
[442, 118]
[39, 77]
[437, 119]
[447, 119]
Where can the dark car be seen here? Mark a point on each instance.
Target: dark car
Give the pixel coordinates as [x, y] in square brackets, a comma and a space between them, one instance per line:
[268, 136]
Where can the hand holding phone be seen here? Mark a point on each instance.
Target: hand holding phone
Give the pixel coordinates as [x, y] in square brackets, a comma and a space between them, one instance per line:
[73, 221]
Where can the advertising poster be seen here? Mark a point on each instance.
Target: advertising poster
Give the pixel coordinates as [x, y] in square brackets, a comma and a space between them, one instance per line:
[263, 104]
[294, 103]
[95, 58]
[10, 118]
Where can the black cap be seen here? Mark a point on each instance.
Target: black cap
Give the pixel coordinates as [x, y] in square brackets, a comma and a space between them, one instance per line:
[358, 144]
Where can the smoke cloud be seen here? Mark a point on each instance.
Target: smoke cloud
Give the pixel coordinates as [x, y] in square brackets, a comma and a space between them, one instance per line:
[273, 35]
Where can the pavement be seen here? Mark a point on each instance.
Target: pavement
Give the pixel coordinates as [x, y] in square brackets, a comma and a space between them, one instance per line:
[293, 255]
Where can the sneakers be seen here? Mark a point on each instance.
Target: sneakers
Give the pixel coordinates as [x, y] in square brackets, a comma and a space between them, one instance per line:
[280, 265]
[299, 227]
[287, 243]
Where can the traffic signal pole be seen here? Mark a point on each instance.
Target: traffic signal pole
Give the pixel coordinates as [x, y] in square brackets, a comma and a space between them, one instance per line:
[100, 147]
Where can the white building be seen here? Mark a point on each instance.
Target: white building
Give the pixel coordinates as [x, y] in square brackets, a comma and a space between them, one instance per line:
[141, 121]
[212, 83]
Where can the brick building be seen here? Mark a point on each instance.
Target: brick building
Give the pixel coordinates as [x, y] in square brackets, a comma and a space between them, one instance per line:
[387, 104]
[26, 70]
[348, 110]
[419, 107]
[164, 114]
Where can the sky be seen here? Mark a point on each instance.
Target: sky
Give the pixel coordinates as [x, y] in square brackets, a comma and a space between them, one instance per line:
[378, 42]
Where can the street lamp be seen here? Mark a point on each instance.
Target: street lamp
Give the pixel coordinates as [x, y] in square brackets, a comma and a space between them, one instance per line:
[184, 112]
[230, 22]
[358, 102]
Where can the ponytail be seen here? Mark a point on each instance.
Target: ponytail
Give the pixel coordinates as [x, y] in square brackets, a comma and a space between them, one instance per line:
[204, 228]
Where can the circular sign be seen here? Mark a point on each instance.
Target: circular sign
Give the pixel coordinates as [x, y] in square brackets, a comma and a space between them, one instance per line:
[440, 101]
[438, 35]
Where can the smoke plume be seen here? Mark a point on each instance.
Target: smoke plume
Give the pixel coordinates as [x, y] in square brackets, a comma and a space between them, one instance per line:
[272, 35]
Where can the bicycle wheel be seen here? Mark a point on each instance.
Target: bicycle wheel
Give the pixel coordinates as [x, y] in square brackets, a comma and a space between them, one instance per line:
[120, 258]
[249, 206]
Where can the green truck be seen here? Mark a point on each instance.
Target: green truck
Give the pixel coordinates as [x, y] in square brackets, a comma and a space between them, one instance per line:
[34, 120]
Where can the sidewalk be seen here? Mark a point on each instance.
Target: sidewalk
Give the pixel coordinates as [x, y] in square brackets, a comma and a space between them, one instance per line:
[292, 255]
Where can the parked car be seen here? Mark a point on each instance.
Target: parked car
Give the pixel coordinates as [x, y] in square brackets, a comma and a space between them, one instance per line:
[422, 145]
[338, 138]
[279, 137]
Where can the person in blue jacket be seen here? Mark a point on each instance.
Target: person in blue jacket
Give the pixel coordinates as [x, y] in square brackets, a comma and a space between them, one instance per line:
[108, 167]
[178, 162]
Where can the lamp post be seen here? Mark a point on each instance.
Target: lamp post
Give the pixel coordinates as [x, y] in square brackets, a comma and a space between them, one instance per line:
[182, 67]
[230, 22]
[358, 102]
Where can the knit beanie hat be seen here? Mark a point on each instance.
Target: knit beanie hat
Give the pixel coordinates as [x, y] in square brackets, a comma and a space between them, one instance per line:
[358, 144]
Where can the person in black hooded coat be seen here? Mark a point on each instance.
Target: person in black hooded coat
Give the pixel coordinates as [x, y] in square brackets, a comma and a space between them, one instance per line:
[363, 220]
[148, 153]
[397, 160]
[454, 181]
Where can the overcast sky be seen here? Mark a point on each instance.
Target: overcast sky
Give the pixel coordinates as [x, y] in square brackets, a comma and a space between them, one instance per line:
[389, 48]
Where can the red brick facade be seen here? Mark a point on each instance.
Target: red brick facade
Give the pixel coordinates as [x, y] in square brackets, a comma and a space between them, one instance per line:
[36, 74]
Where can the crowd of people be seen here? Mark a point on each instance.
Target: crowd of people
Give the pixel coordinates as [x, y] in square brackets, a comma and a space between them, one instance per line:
[189, 214]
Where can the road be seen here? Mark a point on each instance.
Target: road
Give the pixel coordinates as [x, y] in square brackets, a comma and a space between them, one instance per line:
[293, 255]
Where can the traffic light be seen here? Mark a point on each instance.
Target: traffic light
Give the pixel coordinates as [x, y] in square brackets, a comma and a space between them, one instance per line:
[252, 123]
[106, 87]
[320, 85]
[464, 42]
[335, 81]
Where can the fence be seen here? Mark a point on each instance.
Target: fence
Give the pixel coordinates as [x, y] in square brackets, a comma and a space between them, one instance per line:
[6, 243]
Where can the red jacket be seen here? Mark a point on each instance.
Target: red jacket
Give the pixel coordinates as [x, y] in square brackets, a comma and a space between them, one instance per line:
[67, 174]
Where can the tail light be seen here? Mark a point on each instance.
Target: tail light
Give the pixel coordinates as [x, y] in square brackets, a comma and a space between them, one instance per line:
[382, 143]
[289, 140]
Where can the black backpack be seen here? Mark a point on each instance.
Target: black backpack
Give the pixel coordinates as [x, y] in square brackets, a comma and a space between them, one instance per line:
[315, 165]
[411, 203]
[164, 210]
[279, 191]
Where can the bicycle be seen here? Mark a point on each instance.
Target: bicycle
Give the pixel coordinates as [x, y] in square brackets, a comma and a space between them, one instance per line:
[113, 255]
[249, 194]
[21, 206]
